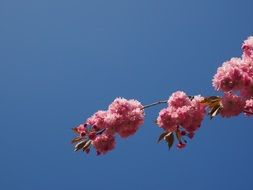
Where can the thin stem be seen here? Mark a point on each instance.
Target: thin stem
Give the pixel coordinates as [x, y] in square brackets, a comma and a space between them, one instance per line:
[154, 104]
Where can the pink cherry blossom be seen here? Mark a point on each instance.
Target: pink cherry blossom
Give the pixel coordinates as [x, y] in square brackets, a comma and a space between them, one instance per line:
[229, 76]
[98, 120]
[248, 48]
[247, 92]
[182, 112]
[168, 119]
[195, 115]
[237, 74]
[92, 135]
[183, 115]
[122, 106]
[232, 105]
[247, 68]
[104, 143]
[179, 99]
[249, 107]
[125, 116]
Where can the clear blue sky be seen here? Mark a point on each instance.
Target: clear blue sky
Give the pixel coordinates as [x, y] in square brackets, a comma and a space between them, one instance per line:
[61, 60]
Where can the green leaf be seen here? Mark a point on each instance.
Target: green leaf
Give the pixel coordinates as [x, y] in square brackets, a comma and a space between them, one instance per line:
[170, 139]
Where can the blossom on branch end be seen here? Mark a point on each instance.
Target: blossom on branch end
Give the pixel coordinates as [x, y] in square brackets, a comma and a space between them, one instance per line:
[123, 117]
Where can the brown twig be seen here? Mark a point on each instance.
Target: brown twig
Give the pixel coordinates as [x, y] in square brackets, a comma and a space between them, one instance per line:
[154, 104]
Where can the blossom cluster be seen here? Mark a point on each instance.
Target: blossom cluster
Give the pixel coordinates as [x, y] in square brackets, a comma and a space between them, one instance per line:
[248, 109]
[235, 79]
[183, 115]
[123, 117]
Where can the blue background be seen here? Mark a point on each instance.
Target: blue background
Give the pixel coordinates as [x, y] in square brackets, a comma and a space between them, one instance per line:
[62, 60]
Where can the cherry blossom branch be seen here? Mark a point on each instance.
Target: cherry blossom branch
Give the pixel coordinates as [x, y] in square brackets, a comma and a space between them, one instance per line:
[154, 104]
[183, 114]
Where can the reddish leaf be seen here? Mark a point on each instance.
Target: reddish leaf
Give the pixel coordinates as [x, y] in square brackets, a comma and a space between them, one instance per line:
[77, 139]
[162, 136]
[87, 145]
[211, 99]
[75, 130]
[80, 145]
[178, 135]
[215, 111]
[170, 139]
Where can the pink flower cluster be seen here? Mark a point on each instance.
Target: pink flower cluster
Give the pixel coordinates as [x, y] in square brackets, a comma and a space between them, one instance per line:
[104, 143]
[123, 117]
[248, 48]
[232, 105]
[248, 109]
[230, 76]
[183, 112]
[236, 76]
